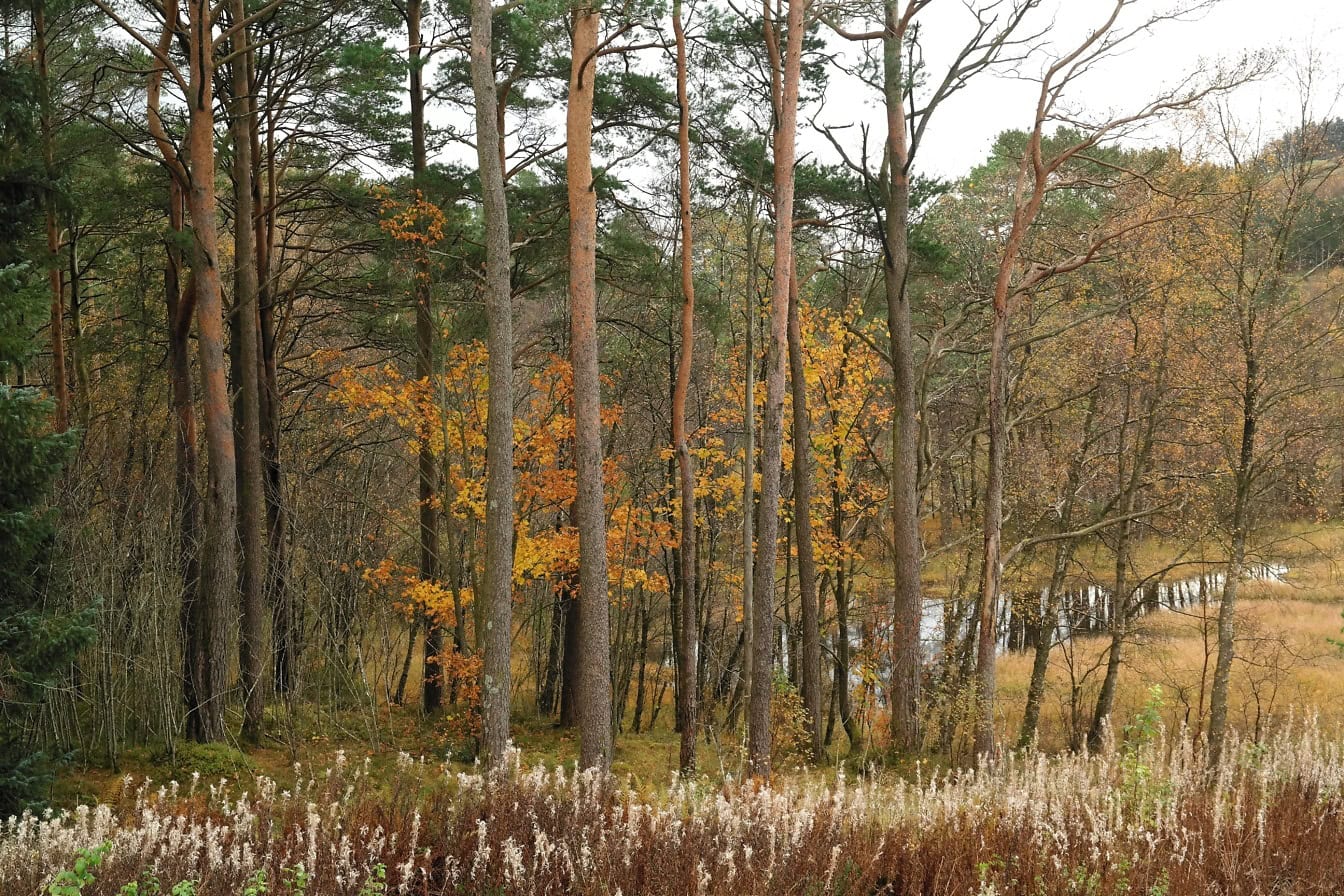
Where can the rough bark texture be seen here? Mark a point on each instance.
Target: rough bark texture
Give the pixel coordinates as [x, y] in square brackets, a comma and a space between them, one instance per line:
[594, 691]
[252, 650]
[498, 593]
[688, 654]
[809, 672]
[218, 566]
[786, 74]
[907, 598]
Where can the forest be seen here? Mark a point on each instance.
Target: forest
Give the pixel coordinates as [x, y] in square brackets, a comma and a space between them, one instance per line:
[520, 447]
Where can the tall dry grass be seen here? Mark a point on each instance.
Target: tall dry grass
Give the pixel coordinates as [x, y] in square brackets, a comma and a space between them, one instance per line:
[1144, 818]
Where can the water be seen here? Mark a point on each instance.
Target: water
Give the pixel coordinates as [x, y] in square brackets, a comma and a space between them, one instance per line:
[1082, 611]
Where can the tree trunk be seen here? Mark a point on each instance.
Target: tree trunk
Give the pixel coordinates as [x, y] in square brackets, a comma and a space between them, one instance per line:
[1045, 637]
[748, 489]
[218, 567]
[284, 634]
[809, 670]
[688, 655]
[595, 709]
[46, 126]
[498, 595]
[432, 689]
[180, 305]
[987, 611]
[252, 652]
[907, 606]
[785, 76]
[1236, 561]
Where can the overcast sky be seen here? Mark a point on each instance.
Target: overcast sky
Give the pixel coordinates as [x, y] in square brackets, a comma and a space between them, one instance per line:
[964, 129]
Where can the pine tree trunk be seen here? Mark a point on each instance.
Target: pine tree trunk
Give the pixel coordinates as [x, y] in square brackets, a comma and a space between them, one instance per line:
[252, 650]
[218, 560]
[498, 594]
[432, 689]
[688, 655]
[594, 692]
[809, 671]
[46, 127]
[786, 75]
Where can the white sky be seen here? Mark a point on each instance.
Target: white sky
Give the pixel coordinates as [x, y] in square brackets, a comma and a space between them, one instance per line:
[963, 130]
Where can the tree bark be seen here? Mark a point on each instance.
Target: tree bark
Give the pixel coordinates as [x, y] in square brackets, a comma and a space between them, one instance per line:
[252, 650]
[218, 566]
[786, 73]
[809, 671]
[907, 603]
[688, 654]
[498, 594]
[594, 693]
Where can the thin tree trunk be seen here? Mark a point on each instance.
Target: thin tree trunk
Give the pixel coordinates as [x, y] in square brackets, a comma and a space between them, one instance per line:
[46, 125]
[748, 489]
[284, 634]
[785, 77]
[1236, 561]
[987, 615]
[252, 651]
[809, 670]
[218, 558]
[688, 655]
[595, 707]
[498, 595]
[1045, 637]
[180, 305]
[907, 606]
[432, 689]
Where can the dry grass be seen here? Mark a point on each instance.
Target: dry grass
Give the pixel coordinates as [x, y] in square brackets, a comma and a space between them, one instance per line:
[1287, 662]
[1145, 819]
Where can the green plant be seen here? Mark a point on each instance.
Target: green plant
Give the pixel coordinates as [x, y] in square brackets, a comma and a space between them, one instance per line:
[376, 883]
[72, 881]
[256, 884]
[183, 888]
[297, 879]
[147, 885]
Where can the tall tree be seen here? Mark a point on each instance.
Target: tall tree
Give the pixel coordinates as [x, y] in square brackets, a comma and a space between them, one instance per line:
[785, 78]
[594, 641]
[428, 477]
[688, 656]
[499, 501]
[193, 168]
[252, 648]
[809, 672]
[1041, 170]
